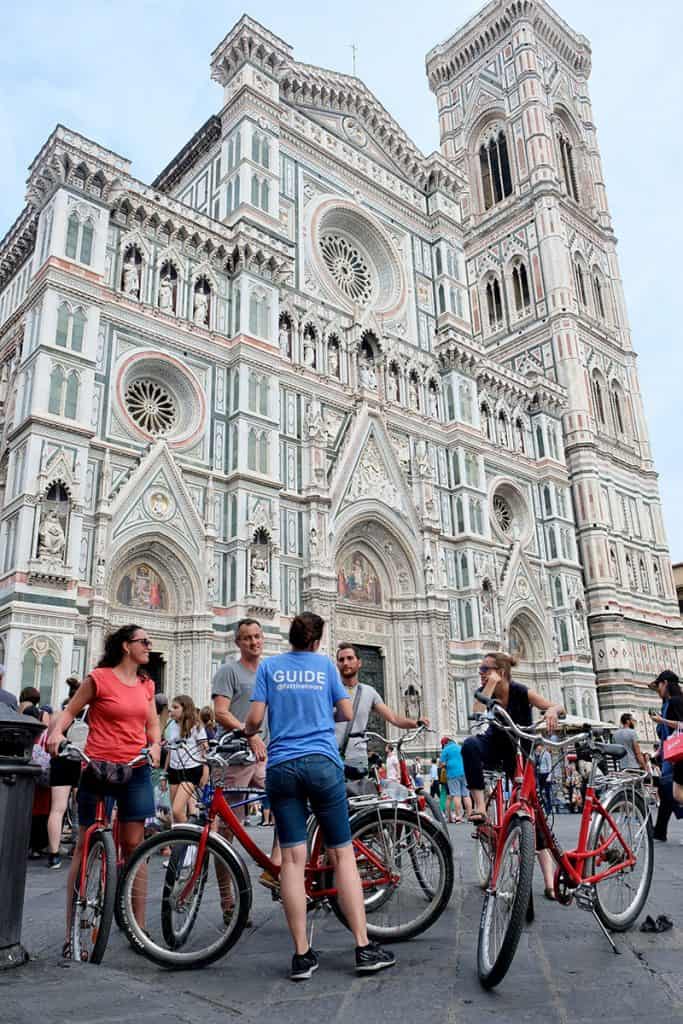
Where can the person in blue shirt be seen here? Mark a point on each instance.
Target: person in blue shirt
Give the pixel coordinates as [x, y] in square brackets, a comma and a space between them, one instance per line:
[458, 793]
[304, 697]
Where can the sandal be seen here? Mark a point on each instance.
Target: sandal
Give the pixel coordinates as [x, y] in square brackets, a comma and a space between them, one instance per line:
[550, 894]
[66, 950]
[476, 818]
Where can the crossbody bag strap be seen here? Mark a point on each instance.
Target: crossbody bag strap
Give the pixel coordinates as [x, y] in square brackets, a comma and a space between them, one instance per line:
[349, 725]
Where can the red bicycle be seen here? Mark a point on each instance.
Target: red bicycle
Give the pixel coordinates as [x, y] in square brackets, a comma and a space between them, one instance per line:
[197, 898]
[609, 872]
[94, 896]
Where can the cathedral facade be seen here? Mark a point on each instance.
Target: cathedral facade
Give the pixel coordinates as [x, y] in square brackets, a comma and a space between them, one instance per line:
[310, 367]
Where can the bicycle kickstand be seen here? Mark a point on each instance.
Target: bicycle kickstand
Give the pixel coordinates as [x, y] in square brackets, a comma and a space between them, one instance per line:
[615, 948]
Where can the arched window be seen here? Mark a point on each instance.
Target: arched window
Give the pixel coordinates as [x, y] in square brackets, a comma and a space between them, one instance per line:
[438, 261]
[263, 453]
[236, 193]
[465, 394]
[598, 300]
[552, 441]
[657, 576]
[86, 243]
[520, 288]
[503, 434]
[56, 389]
[233, 515]
[263, 396]
[486, 421]
[77, 330]
[564, 635]
[616, 400]
[71, 396]
[252, 391]
[539, 442]
[519, 435]
[233, 579]
[471, 469]
[231, 154]
[251, 450]
[236, 311]
[459, 516]
[614, 563]
[494, 304]
[464, 571]
[478, 517]
[644, 578]
[255, 190]
[494, 164]
[63, 316]
[568, 168]
[442, 298]
[450, 404]
[72, 229]
[265, 152]
[547, 502]
[552, 543]
[598, 399]
[265, 195]
[468, 628]
[228, 197]
[559, 597]
[455, 459]
[580, 279]
[256, 148]
[473, 516]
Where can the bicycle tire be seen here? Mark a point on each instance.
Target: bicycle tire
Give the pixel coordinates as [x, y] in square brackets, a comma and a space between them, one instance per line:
[492, 969]
[485, 843]
[179, 958]
[175, 936]
[97, 914]
[624, 796]
[408, 828]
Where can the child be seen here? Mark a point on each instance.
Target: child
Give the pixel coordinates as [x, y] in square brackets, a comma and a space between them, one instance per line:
[187, 766]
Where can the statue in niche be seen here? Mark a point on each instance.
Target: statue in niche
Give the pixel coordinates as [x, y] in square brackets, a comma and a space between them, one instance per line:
[131, 278]
[394, 386]
[51, 537]
[579, 630]
[412, 701]
[315, 426]
[367, 378]
[433, 403]
[100, 572]
[211, 586]
[333, 360]
[283, 340]
[413, 394]
[442, 568]
[313, 543]
[487, 617]
[309, 350]
[424, 466]
[260, 577]
[429, 572]
[201, 308]
[166, 295]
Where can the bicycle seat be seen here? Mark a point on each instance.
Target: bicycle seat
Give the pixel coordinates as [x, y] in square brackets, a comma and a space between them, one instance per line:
[610, 749]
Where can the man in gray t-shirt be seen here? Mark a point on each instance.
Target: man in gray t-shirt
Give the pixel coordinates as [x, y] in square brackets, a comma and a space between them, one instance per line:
[627, 737]
[349, 665]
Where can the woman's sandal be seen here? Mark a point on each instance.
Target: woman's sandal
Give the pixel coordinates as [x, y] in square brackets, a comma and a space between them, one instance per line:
[550, 894]
[476, 818]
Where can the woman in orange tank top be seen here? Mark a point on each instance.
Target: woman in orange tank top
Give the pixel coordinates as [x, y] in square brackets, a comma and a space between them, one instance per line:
[122, 719]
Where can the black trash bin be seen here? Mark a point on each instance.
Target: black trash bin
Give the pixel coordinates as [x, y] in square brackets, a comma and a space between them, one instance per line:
[18, 733]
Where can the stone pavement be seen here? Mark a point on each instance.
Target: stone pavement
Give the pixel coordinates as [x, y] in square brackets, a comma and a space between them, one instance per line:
[564, 970]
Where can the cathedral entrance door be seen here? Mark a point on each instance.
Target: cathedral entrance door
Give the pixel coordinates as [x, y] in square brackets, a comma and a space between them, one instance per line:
[372, 673]
[156, 669]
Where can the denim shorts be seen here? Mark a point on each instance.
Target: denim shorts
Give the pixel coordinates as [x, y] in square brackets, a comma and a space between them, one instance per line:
[457, 786]
[135, 800]
[314, 779]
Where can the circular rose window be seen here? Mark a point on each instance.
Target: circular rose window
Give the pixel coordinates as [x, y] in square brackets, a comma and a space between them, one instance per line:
[348, 267]
[503, 513]
[151, 406]
[509, 513]
[160, 397]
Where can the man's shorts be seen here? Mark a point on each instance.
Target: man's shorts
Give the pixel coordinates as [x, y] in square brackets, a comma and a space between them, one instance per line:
[457, 786]
[314, 779]
[245, 777]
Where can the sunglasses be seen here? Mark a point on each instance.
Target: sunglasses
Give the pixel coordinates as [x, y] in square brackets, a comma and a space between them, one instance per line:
[140, 640]
[484, 670]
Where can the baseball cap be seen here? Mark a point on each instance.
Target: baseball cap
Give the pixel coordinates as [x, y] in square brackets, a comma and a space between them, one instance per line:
[445, 740]
[664, 677]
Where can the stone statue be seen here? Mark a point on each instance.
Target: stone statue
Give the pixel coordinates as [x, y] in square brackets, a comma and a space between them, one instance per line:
[412, 701]
[424, 466]
[315, 426]
[166, 295]
[487, 618]
[100, 572]
[394, 387]
[442, 567]
[413, 394]
[333, 361]
[313, 543]
[211, 582]
[429, 572]
[433, 403]
[131, 278]
[201, 308]
[309, 351]
[260, 577]
[283, 338]
[579, 631]
[52, 540]
[367, 378]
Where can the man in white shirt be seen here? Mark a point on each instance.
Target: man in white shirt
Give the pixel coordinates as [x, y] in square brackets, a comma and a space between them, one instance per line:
[393, 770]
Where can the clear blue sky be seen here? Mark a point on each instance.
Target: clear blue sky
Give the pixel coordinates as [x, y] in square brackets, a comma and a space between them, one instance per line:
[134, 76]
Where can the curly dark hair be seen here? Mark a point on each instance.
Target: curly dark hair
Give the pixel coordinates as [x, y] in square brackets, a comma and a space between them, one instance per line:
[113, 647]
[305, 630]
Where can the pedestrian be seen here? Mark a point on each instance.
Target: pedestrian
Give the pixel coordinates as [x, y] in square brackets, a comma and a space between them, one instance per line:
[29, 699]
[6, 697]
[161, 705]
[65, 774]
[491, 748]
[303, 695]
[72, 684]
[626, 735]
[393, 776]
[187, 749]
[667, 686]
[207, 719]
[456, 785]
[544, 775]
[434, 779]
[122, 720]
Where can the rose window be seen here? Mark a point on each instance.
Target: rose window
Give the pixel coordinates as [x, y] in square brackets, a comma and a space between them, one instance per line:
[348, 267]
[503, 513]
[151, 406]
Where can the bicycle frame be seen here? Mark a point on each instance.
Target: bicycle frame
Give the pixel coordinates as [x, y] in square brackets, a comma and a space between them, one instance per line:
[315, 866]
[525, 802]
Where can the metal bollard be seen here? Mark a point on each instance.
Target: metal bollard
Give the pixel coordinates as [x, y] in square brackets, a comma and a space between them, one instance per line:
[18, 733]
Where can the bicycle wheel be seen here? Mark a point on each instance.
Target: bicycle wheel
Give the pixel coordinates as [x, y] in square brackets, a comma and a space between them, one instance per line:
[191, 910]
[620, 898]
[485, 842]
[436, 813]
[413, 849]
[177, 922]
[92, 912]
[502, 916]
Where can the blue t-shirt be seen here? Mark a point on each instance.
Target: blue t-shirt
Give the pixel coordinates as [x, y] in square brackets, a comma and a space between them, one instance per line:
[300, 689]
[451, 757]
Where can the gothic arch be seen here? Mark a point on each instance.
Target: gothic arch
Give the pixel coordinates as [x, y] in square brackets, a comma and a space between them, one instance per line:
[527, 637]
[389, 545]
[185, 587]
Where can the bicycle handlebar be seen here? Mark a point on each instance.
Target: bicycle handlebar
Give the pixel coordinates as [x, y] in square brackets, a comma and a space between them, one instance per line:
[67, 747]
[406, 738]
[496, 710]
